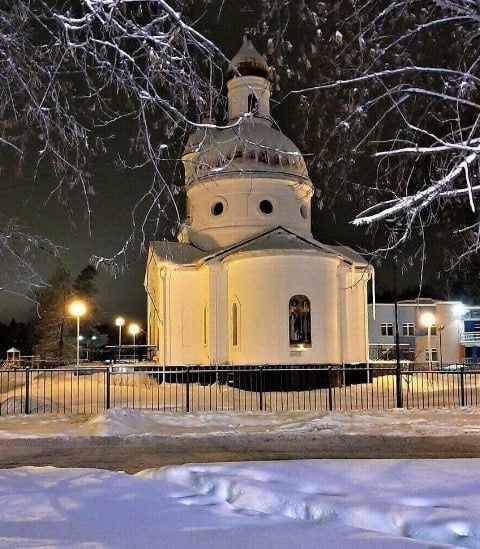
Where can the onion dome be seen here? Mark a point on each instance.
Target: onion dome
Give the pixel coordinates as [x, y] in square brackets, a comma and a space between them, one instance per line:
[248, 62]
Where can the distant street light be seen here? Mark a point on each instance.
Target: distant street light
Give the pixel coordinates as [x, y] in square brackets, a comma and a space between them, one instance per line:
[428, 320]
[119, 321]
[80, 339]
[77, 309]
[134, 329]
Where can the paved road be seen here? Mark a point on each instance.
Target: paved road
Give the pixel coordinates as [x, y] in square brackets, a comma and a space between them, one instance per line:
[133, 454]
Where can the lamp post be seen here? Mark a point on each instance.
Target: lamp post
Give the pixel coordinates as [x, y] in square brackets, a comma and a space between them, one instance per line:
[440, 328]
[119, 321]
[428, 320]
[459, 311]
[77, 309]
[134, 329]
[80, 339]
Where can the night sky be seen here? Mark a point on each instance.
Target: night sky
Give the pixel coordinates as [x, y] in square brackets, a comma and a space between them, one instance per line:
[26, 197]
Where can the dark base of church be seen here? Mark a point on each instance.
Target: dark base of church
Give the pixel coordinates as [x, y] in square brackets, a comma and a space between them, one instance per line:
[265, 378]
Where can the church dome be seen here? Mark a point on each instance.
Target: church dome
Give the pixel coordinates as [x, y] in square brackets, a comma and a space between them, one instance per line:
[248, 62]
[249, 147]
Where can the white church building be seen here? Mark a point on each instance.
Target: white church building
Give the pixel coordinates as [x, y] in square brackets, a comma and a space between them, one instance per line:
[246, 283]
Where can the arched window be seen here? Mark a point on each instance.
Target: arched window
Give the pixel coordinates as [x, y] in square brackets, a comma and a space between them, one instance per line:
[300, 325]
[234, 325]
[262, 157]
[253, 103]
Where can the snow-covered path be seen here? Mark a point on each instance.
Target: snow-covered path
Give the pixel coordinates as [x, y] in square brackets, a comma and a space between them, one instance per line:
[129, 440]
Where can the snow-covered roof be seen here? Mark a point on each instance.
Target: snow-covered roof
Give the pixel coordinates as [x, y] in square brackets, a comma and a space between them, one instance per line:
[250, 146]
[248, 61]
[13, 350]
[277, 240]
[177, 253]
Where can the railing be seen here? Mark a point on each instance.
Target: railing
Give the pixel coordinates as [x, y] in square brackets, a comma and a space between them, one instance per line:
[381, 352]
[470, 337]
[90, 390]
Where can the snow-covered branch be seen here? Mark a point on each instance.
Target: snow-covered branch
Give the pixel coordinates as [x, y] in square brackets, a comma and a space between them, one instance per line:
[120, 78]
[408, 75]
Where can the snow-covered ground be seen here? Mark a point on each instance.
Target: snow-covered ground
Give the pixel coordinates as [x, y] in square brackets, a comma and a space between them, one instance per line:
[127, 422]
[306, 504]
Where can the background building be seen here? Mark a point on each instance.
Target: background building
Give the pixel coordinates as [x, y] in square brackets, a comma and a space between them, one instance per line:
[431, 333]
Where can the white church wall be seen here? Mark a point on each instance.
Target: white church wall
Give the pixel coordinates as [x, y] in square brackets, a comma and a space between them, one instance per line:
[218, 314]
[153, 287]
[263, 286]
[187, 294]
[242, 217]
[353, 324]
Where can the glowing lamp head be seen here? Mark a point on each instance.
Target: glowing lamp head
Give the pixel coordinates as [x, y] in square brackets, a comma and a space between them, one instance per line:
[120, 321]
[133, 329]
[428, 320]
[459, 310]
[77, 308]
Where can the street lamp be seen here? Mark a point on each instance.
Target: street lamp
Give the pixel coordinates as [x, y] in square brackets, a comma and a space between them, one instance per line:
[428, 320]
[459, 311]
[119, 321]
[134, 329]
[77, 309]
[440, 329]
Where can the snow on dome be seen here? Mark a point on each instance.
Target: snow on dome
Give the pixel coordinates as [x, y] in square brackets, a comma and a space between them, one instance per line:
[248, 61]
[248, 147]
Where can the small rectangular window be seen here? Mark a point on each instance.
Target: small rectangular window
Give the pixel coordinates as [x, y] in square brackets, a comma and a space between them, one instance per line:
[386, 329]
[434, 355]
[408, 329]
[433, 330]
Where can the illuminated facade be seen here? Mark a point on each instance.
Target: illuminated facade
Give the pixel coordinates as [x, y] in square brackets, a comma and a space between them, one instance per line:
[436, 332]
[247, 283]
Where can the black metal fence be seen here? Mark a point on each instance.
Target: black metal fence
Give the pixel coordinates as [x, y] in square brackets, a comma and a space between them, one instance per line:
[90, 390]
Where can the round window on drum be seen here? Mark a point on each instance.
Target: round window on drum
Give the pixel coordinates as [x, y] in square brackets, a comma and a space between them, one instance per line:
[218, 207]
[266, 207]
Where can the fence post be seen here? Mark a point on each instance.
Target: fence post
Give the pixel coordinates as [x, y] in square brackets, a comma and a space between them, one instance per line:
[187, 389]
[330, 395]
[260, 388]
[27, 390]
[462, 386]
[108, 388]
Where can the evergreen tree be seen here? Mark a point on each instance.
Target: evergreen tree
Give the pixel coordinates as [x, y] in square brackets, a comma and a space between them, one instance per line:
[54, 332]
